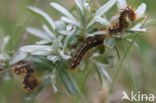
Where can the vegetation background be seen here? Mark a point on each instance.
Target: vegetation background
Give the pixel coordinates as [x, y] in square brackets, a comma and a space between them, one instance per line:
[138, 71]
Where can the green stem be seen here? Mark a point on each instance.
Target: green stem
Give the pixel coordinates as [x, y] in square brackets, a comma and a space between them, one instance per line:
[120, 65]
[132, 77]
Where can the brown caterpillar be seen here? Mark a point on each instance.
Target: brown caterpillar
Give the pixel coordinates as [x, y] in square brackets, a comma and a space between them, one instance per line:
[23, 68]
[122, 21]
[30, 81]
[90, 43]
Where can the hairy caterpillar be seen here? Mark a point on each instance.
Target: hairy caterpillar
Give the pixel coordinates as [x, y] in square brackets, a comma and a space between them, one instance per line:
[30, 81]
[90, 43]
[122, 21]
[23, 68]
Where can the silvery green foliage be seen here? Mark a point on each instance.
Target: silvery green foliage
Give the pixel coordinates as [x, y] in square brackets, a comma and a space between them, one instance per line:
[7, 60]
[57, 36]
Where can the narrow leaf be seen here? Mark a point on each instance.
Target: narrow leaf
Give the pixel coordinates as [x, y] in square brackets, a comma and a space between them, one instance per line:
[42, 15]
[67, 20]
[48, 31]
[103, 9]
[102, 21]
[100, 76]
[31, 48]
[69, 83]
[62, 10]
[18, 58]
[38, 33]
[104, 72]
[79, 4]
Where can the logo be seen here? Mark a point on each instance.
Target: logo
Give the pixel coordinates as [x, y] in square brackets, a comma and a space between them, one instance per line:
[138, 97]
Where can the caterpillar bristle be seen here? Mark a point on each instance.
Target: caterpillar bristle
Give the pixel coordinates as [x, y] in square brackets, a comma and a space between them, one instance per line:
[90, 43]
[20, 68]
[30, 81]
[122, 22]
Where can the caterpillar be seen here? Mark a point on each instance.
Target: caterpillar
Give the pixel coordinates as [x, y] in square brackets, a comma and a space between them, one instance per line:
[23, 68]
[30, 81]
[122, 21]
[90, 43]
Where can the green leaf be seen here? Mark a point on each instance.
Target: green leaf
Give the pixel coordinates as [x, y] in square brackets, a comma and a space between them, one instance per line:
[104, 72]
[69, 83]
[41, 63]
[38, 33]
[102, 21]
[37, 49]
[68, 20]
[30, 48]
[42, 15]
[100, 75]
[109, 42]
[62, 10]
[80, 4]
[18, 58]
[103, 9]
[48, 31]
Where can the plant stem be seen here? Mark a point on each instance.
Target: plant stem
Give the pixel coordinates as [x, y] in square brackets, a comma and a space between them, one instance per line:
[120, 65]
[132, 77]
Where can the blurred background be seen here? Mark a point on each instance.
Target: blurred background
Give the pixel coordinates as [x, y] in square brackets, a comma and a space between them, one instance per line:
[141, 61]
